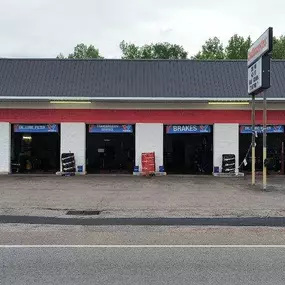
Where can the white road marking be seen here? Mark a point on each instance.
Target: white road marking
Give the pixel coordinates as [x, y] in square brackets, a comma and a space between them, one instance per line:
[144, 246]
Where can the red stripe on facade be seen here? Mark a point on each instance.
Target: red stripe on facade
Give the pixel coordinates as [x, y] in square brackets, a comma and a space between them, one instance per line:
[137, 116]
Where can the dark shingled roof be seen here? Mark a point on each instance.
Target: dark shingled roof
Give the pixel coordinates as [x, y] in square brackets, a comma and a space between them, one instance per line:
[131, 78]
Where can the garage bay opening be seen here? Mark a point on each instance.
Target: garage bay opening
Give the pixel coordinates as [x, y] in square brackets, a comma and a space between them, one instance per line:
[35, 148]
[275, 148]
[188, 149]
[110, 148]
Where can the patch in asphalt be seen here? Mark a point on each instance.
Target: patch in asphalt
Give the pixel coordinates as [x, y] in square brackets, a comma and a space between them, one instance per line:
[235, 222]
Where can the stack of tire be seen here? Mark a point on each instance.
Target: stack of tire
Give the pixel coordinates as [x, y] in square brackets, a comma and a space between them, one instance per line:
[228, 163]
[68, 163]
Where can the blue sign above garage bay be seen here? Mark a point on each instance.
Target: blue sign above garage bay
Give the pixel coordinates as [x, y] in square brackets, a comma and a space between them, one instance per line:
[188, 129]
[42, 128]
[259, 129]
[110, 128]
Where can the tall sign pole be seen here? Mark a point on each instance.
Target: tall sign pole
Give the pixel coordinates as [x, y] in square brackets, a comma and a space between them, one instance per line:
[253, 140]
[258, 63]
[264, 172]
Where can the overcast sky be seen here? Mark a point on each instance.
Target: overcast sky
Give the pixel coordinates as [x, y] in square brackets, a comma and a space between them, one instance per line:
[44, 28]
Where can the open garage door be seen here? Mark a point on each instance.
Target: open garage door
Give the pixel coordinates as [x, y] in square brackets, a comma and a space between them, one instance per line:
[275, 138]
[35, 148]
[110, 148]
[188, 149]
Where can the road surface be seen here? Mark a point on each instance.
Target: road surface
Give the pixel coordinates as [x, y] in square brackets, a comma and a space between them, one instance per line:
[142, 266]
[49, 254]
[20, 234]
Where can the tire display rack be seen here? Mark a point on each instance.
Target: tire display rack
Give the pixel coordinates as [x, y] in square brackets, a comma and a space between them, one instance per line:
[68, 164]
[228, 163]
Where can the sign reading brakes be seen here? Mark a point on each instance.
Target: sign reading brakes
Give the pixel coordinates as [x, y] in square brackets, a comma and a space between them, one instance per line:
[188, 129]
[110, 128]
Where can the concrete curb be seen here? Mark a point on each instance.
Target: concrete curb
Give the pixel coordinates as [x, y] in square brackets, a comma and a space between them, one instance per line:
[230, 222]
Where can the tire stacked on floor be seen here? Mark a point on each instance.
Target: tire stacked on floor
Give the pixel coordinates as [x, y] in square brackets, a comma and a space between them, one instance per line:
[228, 163]
[68, 163]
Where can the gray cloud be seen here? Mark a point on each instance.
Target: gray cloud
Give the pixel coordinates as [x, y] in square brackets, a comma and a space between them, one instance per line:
[44, 28]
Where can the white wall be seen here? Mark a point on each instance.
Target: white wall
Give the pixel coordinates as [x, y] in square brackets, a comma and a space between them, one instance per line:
[149, 138]
[5, 148]
[73, 139]
[226, 141]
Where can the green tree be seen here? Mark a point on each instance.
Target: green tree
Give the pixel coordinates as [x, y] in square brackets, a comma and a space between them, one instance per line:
[60, 56]
[212, 49]
[152, 51]
[130, 51]
[278, 51]
[82, 51]
[237, 47]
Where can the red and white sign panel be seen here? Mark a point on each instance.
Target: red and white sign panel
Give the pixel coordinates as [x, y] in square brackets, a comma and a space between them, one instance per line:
[260, 47]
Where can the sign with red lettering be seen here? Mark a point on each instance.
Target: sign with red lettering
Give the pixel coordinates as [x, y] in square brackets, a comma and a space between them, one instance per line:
[262, 46]
[258, 63]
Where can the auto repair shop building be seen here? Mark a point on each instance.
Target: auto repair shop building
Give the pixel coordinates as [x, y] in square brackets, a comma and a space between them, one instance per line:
[108, 112]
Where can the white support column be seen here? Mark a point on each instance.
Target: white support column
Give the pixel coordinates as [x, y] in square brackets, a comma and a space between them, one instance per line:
[5, 148]
[73, 139]
[226, 141]
[149, 138]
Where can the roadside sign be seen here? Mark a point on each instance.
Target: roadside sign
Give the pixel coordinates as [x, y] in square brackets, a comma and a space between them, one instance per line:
[258, 80]
[259, 75]
[255, 76]
[260, 47]
[258, 63]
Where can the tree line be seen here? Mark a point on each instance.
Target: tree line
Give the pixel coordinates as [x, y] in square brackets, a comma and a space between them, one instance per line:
[212, 49]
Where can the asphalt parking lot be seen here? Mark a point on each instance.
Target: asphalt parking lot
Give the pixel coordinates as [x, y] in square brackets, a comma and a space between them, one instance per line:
[128, 196]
